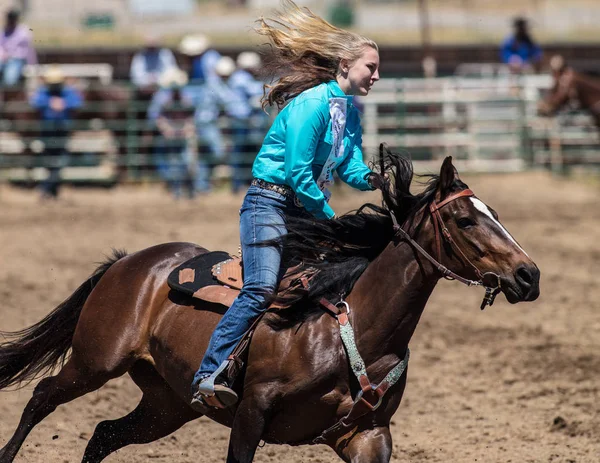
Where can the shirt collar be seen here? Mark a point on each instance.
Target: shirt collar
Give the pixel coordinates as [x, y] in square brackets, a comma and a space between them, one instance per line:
[337, 92]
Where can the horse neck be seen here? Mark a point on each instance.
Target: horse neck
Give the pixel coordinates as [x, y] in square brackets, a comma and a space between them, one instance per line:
[388, 299]
[588, 92]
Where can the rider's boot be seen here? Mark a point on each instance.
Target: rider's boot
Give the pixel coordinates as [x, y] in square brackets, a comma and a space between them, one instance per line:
[213, 391]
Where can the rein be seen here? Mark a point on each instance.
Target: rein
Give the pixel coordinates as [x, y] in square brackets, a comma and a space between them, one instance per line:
[370, 396]
[442, 232]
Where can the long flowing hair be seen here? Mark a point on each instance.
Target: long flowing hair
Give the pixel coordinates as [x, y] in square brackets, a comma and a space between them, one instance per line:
[305, 51]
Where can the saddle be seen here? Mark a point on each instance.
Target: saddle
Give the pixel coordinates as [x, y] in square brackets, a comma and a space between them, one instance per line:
[216, 277]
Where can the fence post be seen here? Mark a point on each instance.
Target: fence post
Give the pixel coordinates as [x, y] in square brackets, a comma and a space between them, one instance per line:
[132, 141]
[526, 148]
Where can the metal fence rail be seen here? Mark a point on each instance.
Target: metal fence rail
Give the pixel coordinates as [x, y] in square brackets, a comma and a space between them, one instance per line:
[487, 124]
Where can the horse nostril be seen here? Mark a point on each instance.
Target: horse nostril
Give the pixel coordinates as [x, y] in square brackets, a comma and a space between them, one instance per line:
[524, 276]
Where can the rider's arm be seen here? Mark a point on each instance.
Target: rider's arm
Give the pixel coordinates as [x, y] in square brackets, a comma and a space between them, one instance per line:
[353, 170]
[306, 121]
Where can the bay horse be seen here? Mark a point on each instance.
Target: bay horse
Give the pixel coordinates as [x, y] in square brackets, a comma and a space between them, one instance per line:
[383, 261]
[571, 87]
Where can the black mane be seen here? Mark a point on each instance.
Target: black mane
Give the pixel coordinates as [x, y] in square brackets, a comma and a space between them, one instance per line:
[341, 249]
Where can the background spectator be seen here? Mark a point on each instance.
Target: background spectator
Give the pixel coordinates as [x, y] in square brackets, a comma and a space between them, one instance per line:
[172, 110]
[200, 58]
[16, 49]
[55, 102]
[210, 96]
[250, 123]
[149, 64]
[519, 50]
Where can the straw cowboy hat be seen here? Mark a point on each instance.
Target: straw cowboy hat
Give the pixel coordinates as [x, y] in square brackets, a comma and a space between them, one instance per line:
[225, 66]
[193, 45]
[248, 60]
[173, 78]
[54, 75]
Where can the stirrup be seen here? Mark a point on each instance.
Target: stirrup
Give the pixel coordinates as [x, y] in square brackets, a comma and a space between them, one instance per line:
[213, 395]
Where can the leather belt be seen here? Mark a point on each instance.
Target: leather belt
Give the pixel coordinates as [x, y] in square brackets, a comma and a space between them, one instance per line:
[281, 189]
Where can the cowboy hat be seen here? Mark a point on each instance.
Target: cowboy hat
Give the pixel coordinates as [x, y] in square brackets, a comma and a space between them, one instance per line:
[54, 75]
[248, 60]
[193, 45]
[225, 66]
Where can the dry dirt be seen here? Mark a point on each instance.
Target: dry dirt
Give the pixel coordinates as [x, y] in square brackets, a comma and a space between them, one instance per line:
[514, 383]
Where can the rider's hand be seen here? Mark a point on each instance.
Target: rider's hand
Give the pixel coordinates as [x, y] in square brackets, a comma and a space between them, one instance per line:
[378, 181]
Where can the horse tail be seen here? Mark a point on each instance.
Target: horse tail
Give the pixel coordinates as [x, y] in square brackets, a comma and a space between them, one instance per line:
[37, 350]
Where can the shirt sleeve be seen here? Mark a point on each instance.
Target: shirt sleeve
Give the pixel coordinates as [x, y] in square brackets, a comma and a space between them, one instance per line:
[28, 52]
[138, 73]
[40, 99]
[73, 99]
[167, 59]
[506, 51]
[306, 121]
[156, 104]
[353, 170]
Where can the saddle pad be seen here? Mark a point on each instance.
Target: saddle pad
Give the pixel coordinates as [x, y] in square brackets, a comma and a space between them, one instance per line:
[196, 273]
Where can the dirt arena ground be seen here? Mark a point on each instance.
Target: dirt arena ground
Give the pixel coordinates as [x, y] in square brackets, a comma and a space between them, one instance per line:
[514, 383]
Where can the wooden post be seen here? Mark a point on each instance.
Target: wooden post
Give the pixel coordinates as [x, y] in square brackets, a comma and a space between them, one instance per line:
[425, 29]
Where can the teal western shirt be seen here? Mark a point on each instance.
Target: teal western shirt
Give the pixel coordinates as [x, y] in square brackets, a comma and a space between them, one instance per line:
[300, 142]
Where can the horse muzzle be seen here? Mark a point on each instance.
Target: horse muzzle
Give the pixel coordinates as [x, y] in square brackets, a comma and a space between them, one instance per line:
[524, 285]
[544, 109]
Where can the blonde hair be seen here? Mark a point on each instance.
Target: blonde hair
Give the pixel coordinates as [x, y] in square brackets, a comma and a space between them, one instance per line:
[305, 51]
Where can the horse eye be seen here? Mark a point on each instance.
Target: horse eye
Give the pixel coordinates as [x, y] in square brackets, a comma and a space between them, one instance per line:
[494, 213]
[465, 222]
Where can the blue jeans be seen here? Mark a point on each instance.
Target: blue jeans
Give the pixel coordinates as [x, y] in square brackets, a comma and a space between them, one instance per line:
[262, 217]
[211, 153]
[172, 163]
[11, 71]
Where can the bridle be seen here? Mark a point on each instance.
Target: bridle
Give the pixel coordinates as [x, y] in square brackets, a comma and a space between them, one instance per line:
[441, 233]
[370, 396]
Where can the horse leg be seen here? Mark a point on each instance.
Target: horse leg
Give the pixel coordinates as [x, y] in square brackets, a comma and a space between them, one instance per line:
[159, 413]
[246, 432]
[367, 446]
[70, 383]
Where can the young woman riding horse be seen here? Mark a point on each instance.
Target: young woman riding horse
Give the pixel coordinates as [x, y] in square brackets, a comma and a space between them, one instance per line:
[299, 385]
[316, 133]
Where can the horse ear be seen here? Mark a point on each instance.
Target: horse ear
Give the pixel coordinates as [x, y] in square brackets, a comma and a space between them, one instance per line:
[448, 175]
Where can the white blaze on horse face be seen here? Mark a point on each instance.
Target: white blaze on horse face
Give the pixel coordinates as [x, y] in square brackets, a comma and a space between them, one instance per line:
[480, 206]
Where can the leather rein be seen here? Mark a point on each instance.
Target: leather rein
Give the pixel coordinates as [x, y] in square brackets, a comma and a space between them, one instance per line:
[441, 232]
[370, 396]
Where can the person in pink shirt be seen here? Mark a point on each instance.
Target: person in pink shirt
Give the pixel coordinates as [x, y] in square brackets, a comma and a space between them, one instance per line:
[16, 49]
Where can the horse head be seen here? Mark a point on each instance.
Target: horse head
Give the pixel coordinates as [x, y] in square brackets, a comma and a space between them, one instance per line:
[564, 88]
[468, 239]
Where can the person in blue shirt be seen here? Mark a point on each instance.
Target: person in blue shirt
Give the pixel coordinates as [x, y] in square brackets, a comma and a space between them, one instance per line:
[171, 111]
[56, 103]
[200, 60]
[316, 133]
[149, 64]
[519, 50]
[249, 122]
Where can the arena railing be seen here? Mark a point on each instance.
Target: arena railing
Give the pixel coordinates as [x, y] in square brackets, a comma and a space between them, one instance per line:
[486, 124]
